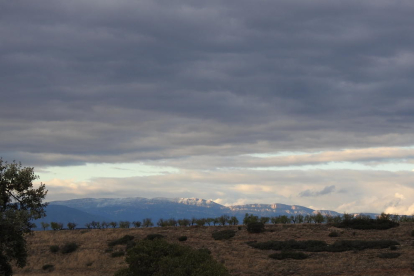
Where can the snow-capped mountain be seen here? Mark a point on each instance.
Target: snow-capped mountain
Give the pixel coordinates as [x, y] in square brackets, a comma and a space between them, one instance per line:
[138, 208]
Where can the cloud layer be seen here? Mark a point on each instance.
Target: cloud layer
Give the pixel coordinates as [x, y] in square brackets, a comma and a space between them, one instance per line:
[196, 85]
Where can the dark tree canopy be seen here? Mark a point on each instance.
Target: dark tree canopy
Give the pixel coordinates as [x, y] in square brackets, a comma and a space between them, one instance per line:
[20, 203]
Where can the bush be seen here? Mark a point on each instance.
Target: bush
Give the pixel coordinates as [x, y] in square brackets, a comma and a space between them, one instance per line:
[124, 240]
[158, 257]
[182, 238]
[389, 255]
[154, 236]
[393, 247]
[117, 254]
[319, 246]
[48, 267]
[333, 234]
[130, 244]
[69, 247]
[412, 233]
[54, 248]
[367, 223]
[205, 250]
[255, 227]
[224, 235]
[289, 255]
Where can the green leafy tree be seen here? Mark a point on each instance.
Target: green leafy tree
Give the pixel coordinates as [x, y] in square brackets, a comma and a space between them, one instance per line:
[264, 220]
[250, 218]
[147, 222]
[124, 224]
[308, 218]
[184, 222]
[318, 218]
[71, 225]
[233, 220]
[201, 222]
[275, 220]
[209, 221]
[172, 222]
[45, 225]
[223, 219]
[56, 226]
[299, 218]
[284, 219]
[20, 203]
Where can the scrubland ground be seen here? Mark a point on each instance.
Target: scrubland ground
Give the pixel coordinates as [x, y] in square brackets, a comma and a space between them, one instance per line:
[92, 259]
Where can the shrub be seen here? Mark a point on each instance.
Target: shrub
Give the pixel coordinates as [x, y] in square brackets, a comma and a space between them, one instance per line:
[159, 257]
[154, 236]
[205, 250]
[109, 250]
[54, 248]
[389, 255]
[224, 235]
[117, 254]
[89, 264]
[182, 238]
[289, 255]
[412, 233]
[393, 247]
[130, 244]
[124, 240]
[48, 267]
[69, 247]
[255, 227]
[333, 234]
[319, 246]
[289, 245]
[367, 223]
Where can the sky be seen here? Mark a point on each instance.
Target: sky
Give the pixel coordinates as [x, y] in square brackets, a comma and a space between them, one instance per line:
[297, 102]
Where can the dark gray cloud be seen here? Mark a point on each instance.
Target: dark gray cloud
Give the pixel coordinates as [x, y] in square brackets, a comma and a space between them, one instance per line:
[132, 80]
[325, 191]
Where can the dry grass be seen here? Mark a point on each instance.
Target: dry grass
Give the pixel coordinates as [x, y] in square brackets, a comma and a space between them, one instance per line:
[240, 259]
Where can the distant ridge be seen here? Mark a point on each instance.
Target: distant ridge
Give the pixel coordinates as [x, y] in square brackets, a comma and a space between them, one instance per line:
[85, 210]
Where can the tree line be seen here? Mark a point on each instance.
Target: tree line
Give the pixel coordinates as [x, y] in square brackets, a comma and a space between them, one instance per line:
[227, 220]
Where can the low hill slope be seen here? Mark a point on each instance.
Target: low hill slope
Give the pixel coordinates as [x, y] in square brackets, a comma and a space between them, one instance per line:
[91, 258]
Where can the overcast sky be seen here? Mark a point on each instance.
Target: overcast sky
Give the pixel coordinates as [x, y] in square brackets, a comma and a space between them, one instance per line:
[296, 102]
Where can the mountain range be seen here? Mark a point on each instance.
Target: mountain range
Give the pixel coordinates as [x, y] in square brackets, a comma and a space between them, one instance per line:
[82, 211]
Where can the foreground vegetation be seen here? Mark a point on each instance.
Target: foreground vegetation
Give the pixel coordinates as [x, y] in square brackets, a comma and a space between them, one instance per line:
[281, 249]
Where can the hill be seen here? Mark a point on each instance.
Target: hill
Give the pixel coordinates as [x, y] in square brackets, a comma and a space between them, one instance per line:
[64, 214]
[93, 258]
[138, 208]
